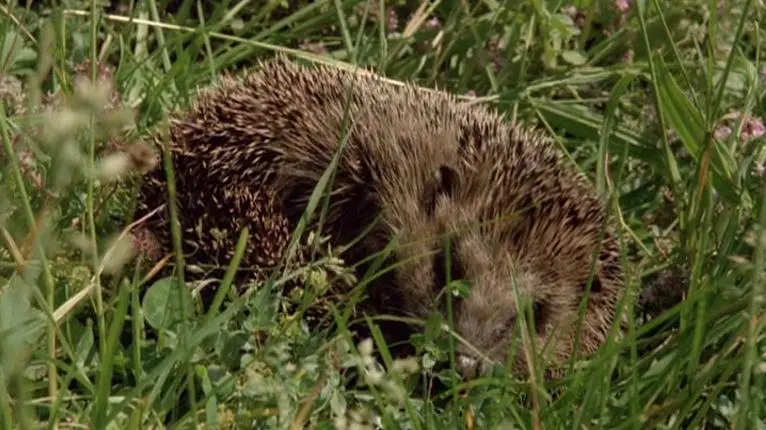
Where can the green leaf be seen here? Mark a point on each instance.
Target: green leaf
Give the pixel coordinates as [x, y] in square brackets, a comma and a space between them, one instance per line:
[679, 111]
[574, 58]
[586, 124]
[689, 124]
[20, 325]
[232, 350]
[85, 348]
[459, 288]
[162, 304]
[433, 326]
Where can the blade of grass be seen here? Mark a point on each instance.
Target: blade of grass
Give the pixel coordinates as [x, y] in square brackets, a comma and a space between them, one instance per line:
[107, 360]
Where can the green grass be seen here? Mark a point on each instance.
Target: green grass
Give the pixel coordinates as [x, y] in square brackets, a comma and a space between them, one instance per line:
[660, 106]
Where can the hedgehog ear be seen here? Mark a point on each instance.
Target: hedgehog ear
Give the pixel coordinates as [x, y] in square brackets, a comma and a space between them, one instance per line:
[443, 183]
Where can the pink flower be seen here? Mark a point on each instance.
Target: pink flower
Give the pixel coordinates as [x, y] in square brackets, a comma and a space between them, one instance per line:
[623, 5]
[434, 23]
[392, 21]
[578, 17]
[570, 10]
[759, 170]
[753, 128]
[722, 132]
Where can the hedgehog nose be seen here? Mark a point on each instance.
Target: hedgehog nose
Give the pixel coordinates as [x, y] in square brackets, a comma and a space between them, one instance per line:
[468, 366]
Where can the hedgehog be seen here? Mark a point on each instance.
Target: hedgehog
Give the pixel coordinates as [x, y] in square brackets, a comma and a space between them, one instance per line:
[460, 193]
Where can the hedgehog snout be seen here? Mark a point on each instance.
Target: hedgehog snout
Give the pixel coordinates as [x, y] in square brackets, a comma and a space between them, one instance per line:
[469, 367]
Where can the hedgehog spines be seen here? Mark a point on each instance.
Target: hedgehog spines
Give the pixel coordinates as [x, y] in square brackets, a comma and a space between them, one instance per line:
[252, 149]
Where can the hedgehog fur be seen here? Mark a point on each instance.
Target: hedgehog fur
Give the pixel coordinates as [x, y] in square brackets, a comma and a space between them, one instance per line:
[418, 167]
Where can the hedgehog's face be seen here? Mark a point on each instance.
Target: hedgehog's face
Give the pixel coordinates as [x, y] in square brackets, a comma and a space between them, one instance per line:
[510, 278]
[512, 307]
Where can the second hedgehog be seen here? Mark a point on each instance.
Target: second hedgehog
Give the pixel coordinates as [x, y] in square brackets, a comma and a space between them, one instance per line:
[522, 224]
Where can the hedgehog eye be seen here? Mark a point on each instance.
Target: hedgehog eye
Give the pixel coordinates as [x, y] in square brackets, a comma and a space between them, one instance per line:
[504, 328]
[538, 313]
[595, 285]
